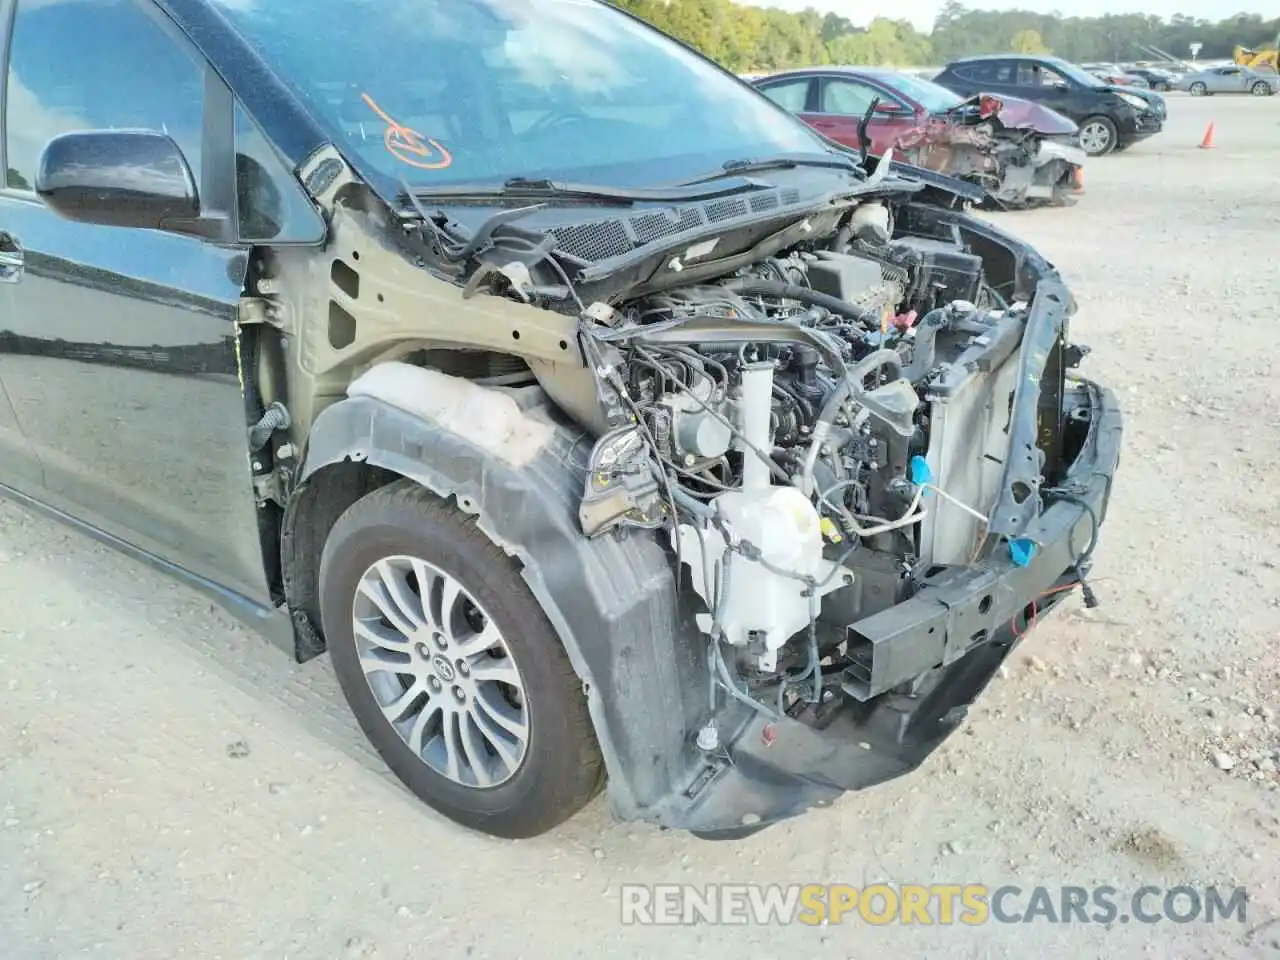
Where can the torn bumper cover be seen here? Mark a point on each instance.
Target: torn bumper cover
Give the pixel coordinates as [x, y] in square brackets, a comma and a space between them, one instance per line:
[1056, 169]
[1047, 171]
[924, 661]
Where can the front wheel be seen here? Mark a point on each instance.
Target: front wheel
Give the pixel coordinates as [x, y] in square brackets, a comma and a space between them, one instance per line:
[1261, 89]
[451, 667]
[1198, 89]
[1097, 136]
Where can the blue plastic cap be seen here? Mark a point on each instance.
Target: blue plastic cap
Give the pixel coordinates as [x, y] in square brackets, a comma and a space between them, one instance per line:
[920, 472]
[1021, 552]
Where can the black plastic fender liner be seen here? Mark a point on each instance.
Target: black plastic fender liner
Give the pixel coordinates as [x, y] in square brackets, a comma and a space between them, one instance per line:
[612, 601]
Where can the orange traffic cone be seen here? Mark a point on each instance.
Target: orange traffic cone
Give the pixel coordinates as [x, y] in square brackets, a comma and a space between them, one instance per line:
[1207, 142]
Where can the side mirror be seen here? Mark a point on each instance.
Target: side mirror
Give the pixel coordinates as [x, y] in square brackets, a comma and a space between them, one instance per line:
[119, 178]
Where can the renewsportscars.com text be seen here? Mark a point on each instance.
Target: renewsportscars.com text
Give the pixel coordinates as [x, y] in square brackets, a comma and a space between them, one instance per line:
[971, 904]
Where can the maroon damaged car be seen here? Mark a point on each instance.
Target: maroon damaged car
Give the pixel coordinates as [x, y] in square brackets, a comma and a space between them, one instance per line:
[1021, 153]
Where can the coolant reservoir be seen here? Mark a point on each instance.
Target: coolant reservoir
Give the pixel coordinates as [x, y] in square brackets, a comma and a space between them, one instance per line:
[785, 527]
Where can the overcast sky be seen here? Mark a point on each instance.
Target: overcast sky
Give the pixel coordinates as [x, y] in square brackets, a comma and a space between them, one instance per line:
[922, 12]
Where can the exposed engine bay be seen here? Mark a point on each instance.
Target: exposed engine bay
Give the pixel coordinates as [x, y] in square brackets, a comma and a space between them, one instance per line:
[783, 465]
[834, 414]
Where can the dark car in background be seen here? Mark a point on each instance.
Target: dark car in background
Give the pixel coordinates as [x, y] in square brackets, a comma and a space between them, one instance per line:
[1156, 78]
[1114, 74]
[1021, 153]
[1110, 117]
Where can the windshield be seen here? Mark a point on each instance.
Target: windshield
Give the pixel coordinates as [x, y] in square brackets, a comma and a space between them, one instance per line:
[928, 94]
[446, 92]
[1071, 72]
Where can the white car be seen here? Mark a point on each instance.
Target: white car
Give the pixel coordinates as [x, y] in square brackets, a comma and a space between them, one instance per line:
[1229, 79]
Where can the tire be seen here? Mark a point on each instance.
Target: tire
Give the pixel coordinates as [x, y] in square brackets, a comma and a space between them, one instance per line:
[1162, 87]
[1198, 89]
[402, 535]
[1097, 136]
[1261, 89]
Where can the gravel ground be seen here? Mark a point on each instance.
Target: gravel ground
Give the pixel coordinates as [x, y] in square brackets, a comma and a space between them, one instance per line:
[172, 786]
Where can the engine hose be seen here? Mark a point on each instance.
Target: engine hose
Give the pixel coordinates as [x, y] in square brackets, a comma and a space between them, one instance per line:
[696, 507]
[812, 672]
[815, 655]
[751, 286]
[716, 664]
[842, 392]
[926, 344]
[731, 687]
[801, 404]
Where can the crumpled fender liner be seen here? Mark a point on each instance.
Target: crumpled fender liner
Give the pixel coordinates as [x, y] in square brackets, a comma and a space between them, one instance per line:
[611, 600]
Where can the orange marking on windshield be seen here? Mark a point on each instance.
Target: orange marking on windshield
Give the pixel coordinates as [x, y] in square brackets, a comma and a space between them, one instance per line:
[408, 145]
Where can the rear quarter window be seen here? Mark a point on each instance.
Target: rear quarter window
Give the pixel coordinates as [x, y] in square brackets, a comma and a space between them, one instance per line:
[791, 95]
[994, 71]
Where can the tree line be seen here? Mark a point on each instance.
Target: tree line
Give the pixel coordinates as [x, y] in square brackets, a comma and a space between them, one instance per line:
[748, 38]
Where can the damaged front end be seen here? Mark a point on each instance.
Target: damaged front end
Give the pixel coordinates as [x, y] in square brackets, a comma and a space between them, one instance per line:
[796, 466]
[853, 446]
[1021, 153]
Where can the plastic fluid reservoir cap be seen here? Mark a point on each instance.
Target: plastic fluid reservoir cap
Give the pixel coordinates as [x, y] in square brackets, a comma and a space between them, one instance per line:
[1021, 552]
[920, 472]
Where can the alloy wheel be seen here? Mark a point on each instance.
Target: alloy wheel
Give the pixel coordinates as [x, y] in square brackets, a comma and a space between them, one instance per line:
[1198, 89]
[1095, 137]
[441, 672]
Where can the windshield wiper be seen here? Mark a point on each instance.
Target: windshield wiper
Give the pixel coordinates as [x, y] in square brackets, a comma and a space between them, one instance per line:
[524, 188]
[784, 161]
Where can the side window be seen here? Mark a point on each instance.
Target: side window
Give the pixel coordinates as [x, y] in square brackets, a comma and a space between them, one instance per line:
[989, 71]
[270, 203]
[790, 95]
[847, 97]
[1032, 74]
[95, 64]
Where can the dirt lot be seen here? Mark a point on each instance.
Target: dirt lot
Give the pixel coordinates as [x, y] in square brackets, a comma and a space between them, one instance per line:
[172, 786]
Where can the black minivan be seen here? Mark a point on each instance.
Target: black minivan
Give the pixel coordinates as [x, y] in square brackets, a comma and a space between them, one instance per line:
[1110, 117]
[577, 399]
